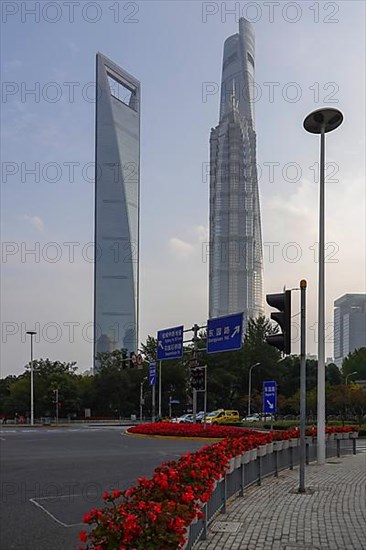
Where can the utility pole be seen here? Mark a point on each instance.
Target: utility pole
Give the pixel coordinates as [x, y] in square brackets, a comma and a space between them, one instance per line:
[303, 285]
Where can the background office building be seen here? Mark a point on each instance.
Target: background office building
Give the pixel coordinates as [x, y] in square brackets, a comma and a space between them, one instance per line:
[236, 260]
[349, 325]
[117, 190]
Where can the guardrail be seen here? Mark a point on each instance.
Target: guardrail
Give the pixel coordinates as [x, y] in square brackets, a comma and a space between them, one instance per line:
[252, 466]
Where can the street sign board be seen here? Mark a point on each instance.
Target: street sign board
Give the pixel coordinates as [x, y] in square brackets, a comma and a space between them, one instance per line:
[152, 374]
[170, 343]
[270, 397]
[225, 333]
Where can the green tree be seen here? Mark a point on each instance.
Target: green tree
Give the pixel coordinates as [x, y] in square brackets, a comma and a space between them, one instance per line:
[333, 375]
[355, 361]
[149, 349]
[116, 358]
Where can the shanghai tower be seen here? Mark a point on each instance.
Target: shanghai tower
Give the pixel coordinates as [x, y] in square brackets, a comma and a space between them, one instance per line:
[236, 259]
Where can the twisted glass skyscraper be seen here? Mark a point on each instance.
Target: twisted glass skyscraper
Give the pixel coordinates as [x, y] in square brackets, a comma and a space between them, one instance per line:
[236, 259]
[117, 197]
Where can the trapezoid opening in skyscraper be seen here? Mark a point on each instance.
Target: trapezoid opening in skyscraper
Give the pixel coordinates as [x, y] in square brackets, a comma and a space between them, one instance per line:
[117, 209]
[236, 256]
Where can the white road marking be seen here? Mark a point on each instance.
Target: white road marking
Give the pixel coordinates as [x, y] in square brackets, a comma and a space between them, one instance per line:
[34, 501]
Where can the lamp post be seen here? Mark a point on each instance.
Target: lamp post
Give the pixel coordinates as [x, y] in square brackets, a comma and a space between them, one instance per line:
[322, 121]
[250, 385]
[31, 333]
[350, 374]
[142, 396]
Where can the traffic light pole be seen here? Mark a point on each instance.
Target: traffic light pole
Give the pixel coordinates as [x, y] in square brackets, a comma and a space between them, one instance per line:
[303, 286]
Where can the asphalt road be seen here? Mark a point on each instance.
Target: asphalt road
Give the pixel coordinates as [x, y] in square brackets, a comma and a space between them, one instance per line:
[51, 477]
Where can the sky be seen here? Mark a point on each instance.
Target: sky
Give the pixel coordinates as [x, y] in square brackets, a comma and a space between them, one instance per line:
[308, 54]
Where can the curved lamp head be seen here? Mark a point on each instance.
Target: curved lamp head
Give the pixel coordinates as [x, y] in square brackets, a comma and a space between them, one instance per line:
[326, 117]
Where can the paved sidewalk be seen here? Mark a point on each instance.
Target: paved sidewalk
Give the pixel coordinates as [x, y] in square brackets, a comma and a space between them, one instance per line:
[275, 517]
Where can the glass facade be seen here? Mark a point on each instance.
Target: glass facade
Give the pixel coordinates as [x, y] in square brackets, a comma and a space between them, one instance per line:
[117, 198]
[236, 258]
[349, 325]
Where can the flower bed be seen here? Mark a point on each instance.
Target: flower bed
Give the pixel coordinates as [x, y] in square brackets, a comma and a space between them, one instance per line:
[156, 513]
[189, 430]
[333, 429]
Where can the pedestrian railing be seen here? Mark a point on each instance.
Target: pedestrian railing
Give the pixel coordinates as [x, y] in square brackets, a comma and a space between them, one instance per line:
[252, 466]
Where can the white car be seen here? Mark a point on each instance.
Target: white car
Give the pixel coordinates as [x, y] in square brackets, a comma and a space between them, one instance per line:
[183, 419]
[252, 418]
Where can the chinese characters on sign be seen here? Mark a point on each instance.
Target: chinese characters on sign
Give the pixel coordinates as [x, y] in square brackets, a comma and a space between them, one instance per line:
[270, 397]
[170, 343]
[225, 333]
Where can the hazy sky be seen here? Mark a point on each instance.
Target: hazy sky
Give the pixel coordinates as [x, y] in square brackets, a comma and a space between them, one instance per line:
[308, 54]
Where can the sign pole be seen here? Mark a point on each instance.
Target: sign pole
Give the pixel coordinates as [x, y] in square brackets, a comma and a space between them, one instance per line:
[195, 348]
[160, 390]
[205, 399]
[303, 285]
[153, 403]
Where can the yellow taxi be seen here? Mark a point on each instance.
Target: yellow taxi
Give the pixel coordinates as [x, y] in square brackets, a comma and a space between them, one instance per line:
[222, 416]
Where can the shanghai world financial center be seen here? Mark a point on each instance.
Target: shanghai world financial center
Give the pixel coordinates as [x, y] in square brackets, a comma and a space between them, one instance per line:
[117, 196]
[236, 262]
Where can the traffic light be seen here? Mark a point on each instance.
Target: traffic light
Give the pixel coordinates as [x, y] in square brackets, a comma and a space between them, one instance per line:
[133, 359]
[282, 302]
[198, 378]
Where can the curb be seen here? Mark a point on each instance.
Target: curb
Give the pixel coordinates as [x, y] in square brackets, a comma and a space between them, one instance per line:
[176, 437]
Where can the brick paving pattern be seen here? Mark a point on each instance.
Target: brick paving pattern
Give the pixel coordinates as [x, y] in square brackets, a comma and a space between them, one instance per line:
[275, 517]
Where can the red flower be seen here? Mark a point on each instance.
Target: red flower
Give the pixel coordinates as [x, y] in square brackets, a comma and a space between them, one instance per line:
[83, 536]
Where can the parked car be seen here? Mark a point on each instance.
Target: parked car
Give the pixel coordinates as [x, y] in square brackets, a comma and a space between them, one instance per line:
[200, 416]
[252, 418]
[222, 416]
[185, 418]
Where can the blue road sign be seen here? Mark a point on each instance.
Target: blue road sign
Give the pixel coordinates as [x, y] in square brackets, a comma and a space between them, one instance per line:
[152, 374]
[170, 343]
[270, 397]
[225, 333]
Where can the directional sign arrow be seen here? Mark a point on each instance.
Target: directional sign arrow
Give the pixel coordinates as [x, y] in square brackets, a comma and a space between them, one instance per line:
[270, 404]
[160, 345]
[236, 331]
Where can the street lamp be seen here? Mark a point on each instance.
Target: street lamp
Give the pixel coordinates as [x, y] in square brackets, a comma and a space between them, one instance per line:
[320, 122]
[32, 333]
[250, 385]
[142, 396]
[350, 374]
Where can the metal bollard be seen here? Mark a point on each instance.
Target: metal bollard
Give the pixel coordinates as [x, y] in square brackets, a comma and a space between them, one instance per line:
[291, 458]
[354, 446]
[259, 459]
[223, 508]
[204, 532]
[242, 480]
[276, 463]
[338, 448]
[307, 453]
